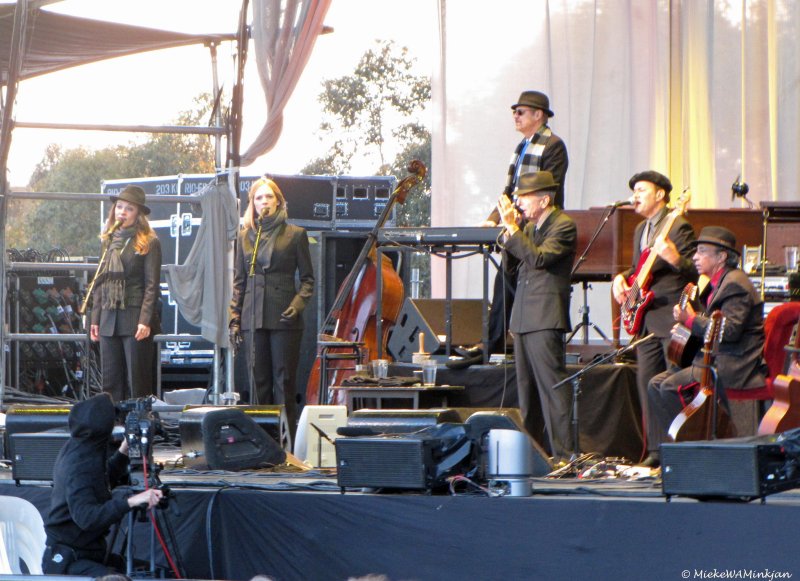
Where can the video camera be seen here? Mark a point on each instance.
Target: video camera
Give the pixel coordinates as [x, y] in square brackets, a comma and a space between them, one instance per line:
[141, 426]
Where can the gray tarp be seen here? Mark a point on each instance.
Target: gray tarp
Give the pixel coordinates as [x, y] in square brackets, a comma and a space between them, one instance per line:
[56, 41]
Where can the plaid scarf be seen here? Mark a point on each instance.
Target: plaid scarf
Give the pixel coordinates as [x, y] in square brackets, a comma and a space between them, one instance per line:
[114, 281]
[531, 160]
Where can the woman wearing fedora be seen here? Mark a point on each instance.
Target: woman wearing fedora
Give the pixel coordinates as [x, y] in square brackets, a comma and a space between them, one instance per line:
[125, 313]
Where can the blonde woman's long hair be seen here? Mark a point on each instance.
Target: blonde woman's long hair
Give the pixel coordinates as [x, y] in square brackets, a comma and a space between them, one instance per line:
[250, 212]
[144, 233]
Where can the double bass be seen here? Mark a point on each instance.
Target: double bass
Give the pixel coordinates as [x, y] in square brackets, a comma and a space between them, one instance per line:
[702, 418]
[784, 413]
[352, 317]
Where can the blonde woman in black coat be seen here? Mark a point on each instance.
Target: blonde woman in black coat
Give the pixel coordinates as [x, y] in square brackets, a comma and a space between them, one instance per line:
[126, 298]
[282, 253]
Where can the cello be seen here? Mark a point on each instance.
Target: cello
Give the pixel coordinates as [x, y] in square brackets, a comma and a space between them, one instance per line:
[697, 420]
[353, 314]
[784, 413]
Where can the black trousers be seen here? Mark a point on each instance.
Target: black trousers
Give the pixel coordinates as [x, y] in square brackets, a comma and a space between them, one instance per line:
[651, 360]
[128, 366]
[500, 314]
[277, 354]
[540, 364]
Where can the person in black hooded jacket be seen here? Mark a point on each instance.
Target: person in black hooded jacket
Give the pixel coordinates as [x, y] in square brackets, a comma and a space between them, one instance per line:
[83, 505]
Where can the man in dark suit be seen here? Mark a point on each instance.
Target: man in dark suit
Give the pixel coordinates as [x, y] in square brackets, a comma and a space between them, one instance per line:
[671, 271]
[540, 149]
[739, 362]
[545, 251]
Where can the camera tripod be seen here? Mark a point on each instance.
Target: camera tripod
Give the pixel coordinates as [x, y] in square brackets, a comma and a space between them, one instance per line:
[141, 425]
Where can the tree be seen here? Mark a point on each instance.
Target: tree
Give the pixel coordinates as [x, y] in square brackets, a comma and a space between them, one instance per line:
[74, 225]
[379, 105]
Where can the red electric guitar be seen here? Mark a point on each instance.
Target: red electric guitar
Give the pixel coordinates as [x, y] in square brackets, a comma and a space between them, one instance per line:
[784, 413]
[639, 297]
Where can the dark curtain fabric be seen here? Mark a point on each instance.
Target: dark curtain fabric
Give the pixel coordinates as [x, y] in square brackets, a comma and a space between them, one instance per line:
[332, 537]
[57, 41]
[609, 412]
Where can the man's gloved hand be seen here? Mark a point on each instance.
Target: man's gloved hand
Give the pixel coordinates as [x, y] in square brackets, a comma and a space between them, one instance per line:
[235, 335]
[289, 315]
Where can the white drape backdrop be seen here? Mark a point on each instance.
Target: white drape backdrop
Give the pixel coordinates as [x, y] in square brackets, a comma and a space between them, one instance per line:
[284, 34]
[634, 84]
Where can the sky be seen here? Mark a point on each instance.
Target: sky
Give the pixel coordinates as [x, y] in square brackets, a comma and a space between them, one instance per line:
[152, 88]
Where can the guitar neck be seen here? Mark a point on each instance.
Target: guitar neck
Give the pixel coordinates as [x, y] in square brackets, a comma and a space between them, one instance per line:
[644, 272]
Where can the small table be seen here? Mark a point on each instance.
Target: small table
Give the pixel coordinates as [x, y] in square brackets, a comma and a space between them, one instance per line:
[383, 392]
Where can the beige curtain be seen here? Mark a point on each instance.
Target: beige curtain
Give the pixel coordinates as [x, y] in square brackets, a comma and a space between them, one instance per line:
[702, 90]
[284, 34]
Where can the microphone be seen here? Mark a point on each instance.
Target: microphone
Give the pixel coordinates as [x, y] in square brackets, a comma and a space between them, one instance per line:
[739, 188]
[628, 202]
[263, 214]
[115, 226]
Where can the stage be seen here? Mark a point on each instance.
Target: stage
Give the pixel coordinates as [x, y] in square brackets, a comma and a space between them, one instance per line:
[291, 528]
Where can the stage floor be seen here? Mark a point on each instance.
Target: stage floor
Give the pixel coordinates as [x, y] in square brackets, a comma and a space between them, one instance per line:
[300, 526]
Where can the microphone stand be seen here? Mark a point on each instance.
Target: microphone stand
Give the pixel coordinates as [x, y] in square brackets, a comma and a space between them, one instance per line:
[252, 351]
[99, 271]
[575, 379]
[585, 323]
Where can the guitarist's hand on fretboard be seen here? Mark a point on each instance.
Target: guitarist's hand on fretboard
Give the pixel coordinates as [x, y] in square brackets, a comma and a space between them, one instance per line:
[683, 315]
[620, 289]
[666, 249]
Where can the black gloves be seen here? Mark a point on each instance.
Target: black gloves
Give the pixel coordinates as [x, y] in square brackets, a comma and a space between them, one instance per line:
[235, 335]
[289, 315]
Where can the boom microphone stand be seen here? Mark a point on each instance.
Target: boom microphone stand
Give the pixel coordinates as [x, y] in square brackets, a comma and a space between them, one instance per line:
[585, 323]
[575, 379]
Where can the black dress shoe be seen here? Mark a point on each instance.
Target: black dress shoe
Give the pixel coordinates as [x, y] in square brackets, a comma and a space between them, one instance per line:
[652, 461]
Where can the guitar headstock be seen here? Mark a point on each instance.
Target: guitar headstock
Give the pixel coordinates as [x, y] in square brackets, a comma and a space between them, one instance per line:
[717, 329]
[683, 201]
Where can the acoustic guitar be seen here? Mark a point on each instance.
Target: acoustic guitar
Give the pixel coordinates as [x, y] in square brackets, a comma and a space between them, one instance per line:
[640, 296]
[784, 413]
[696, 421]
[683, 346]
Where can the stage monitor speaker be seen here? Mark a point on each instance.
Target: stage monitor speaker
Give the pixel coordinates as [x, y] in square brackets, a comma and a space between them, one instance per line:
[427, 316]
[482, 421]
[34, 453]
[226, 438]
[373, 422]
[734, 468]
[419, 461]
[316, 433]
[271, 418]
[26, 418]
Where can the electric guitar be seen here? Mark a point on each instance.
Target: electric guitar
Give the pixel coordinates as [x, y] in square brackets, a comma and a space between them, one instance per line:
[696, 420]
[784, 413]
[639, 296]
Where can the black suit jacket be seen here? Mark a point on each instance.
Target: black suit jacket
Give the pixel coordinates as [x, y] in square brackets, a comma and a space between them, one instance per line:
[543, 281]
[275, 288]
[142, 294]
[739, 361]
[668, 282]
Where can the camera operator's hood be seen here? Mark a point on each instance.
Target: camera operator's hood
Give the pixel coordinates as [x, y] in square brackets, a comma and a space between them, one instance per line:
[93, 418]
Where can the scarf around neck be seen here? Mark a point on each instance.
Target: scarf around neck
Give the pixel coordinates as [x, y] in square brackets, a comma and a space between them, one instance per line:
[114, 283]
[270, 227]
